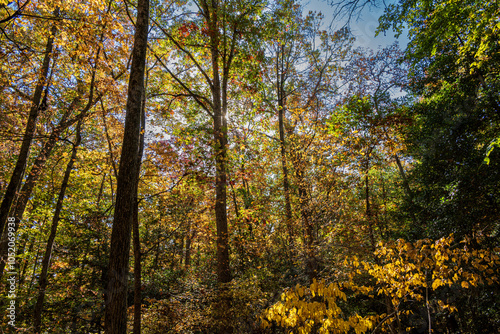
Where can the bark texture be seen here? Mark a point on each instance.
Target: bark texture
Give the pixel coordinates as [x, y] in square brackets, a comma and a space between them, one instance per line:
[126, 192]
[137, 240]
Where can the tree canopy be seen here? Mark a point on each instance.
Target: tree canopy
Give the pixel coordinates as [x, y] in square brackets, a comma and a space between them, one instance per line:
[241, 166]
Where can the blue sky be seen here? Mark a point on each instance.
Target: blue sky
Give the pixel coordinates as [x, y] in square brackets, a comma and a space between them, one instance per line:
[363, 28]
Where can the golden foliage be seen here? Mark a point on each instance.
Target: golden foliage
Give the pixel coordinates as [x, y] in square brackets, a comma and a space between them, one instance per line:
[304, 308]
[402, 272]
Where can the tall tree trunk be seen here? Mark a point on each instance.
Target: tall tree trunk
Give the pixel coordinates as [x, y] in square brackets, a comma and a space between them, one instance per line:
[280, 82]
[220, 137]
[223, 268]
[37, 318]
[17, 174]
[137, 240]
[126, 192]
[219, 97]
[220, 140]
[368, 213]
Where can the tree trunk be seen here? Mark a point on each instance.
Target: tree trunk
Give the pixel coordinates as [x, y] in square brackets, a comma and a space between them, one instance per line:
[219, 98]
[223, 269]
[25, 263]
[137, 240]
[281, 115]
[126, 192]
[37, 318]
[220, 140]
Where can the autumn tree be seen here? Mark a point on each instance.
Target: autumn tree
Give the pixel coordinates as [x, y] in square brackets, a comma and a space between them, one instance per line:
[126, 193]
[211, 43]
[305, 63]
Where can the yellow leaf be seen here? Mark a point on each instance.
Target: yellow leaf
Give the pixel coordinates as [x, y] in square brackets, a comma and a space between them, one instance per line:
[436, 284]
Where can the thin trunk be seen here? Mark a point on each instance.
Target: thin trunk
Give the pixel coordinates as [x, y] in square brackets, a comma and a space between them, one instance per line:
[235, 202]
[17, 174]
[311, 263]
[35, 264]
[25, 264]
[369, 217]
[187, 254]
[111, 186]
[406, 185]
[281, 116]
[157, 255]
[385, 233]
[101, 190]
[247, 200]
[118, 269]
[198, 255]
[181, 251]
[427, 304]
[37, 318]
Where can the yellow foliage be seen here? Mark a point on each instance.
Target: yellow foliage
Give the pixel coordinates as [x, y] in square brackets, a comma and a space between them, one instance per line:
[305, 308]
[403, 272]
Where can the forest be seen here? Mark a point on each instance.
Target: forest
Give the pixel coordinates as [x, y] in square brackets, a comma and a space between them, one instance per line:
[245, 166]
